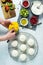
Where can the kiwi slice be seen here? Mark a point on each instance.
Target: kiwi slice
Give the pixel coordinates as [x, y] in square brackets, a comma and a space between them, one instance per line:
[11, 8]
[9, 4]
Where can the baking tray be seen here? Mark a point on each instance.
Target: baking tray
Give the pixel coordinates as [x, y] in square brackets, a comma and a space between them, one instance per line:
[10, 48]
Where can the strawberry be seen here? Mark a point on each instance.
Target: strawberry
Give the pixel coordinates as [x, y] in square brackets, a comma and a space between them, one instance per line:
[7, 8]
[34, 20]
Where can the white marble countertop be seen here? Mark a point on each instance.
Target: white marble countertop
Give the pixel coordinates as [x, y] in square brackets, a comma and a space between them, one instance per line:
[5, 58]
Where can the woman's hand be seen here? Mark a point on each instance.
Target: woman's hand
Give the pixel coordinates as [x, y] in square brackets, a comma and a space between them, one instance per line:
[5, 23]
[8, 36]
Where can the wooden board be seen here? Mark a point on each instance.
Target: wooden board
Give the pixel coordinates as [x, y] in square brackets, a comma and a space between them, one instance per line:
[9, 14]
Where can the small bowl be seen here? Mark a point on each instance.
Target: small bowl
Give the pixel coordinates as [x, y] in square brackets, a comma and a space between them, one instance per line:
[34, 20]
[25, 23]
[25, 5]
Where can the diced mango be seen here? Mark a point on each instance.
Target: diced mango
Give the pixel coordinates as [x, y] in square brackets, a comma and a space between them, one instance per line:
[15, 26]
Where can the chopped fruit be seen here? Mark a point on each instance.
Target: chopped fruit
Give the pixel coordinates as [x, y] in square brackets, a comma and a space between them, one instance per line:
[14, 26]
[34, 20]
[24, 22]
[11, 8]
[26, 4]
[24, 12]
[6, 8]
[9, 4]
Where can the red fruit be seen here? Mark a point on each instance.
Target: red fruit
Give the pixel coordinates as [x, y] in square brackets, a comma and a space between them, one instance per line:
[9, 0]
[33, 20]
[7, 8]
[25, 3]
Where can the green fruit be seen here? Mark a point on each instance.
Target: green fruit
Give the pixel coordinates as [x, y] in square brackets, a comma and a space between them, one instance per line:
[9, 4]
[11, 8]
[24, 12]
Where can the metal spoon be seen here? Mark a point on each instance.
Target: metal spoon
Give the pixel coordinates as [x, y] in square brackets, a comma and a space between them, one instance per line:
[37, 24]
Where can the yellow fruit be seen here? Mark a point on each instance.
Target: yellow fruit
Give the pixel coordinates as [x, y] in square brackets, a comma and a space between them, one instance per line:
[15, 26]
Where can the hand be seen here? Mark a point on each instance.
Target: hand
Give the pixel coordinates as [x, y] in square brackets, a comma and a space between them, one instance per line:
[10, 35]
[6, 23]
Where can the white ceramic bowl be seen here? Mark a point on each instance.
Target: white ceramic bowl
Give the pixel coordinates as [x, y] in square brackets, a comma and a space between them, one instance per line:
[37, 2]
[21, 21]
[28, 4]
[37, 8]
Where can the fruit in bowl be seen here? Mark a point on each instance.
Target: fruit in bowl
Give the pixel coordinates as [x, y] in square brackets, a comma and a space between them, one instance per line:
[24, 22]
[24, 12]
[34, 20]
[25, 3]
[15, 26]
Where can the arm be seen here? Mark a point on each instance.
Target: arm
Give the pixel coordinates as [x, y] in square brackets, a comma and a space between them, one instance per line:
[2, 38]
[1, 20]
[8, 36]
